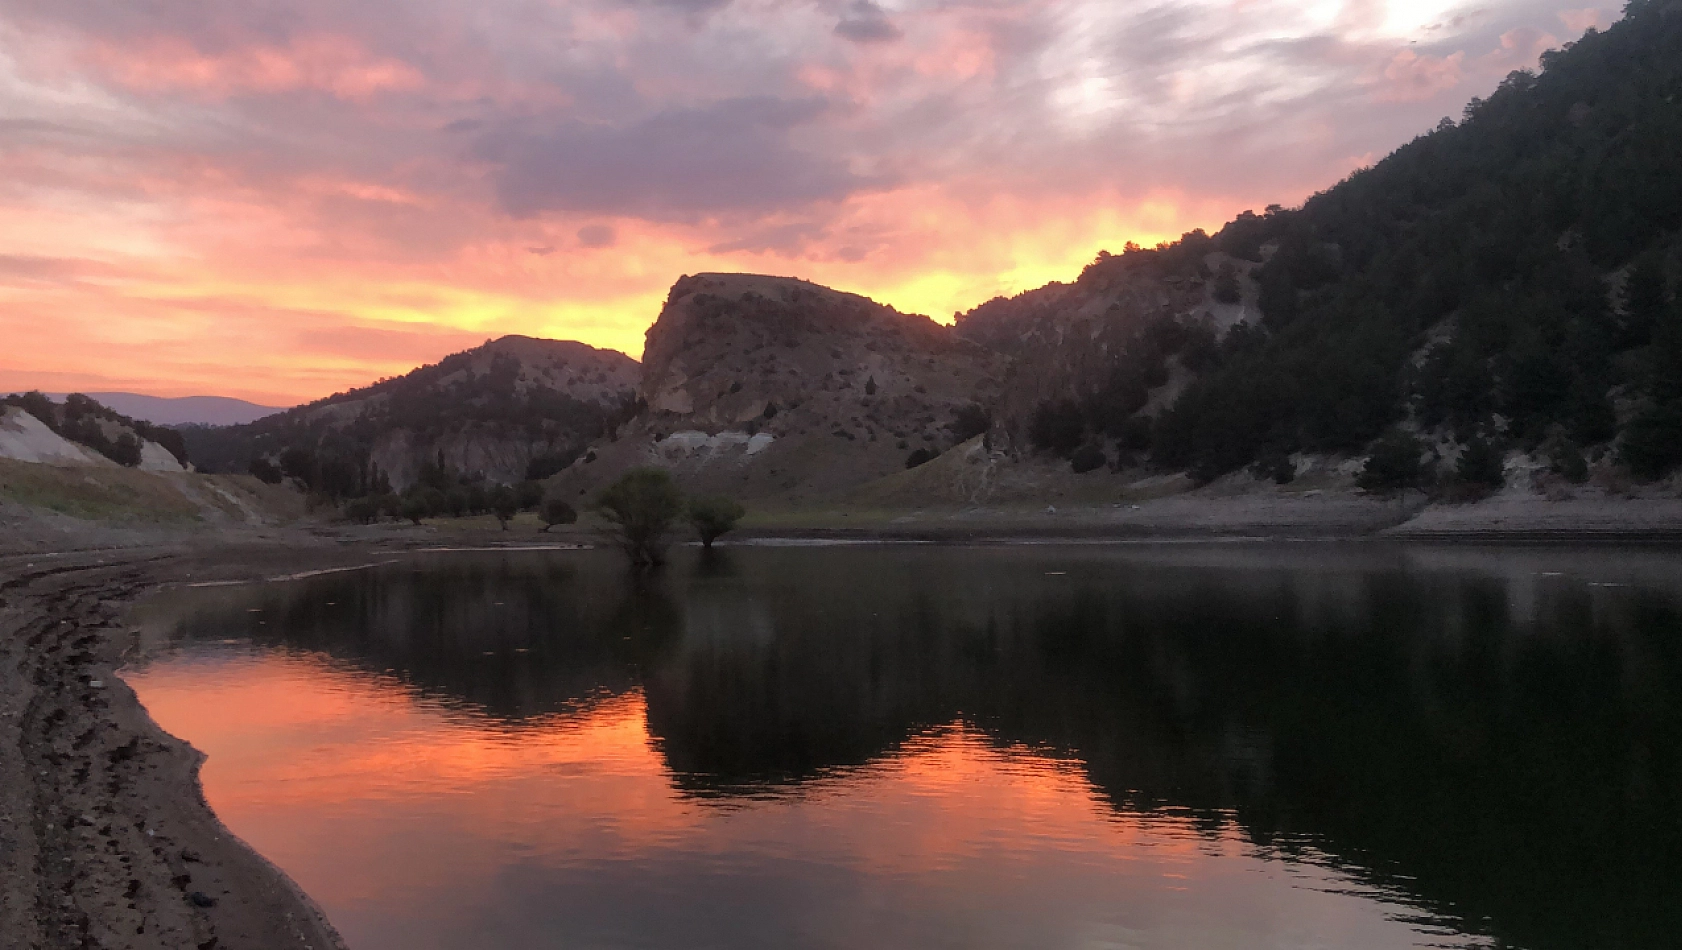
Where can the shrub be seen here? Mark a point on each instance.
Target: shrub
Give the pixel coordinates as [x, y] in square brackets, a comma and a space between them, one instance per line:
[714, 517]
[125, 451]
[265, 471]
[1226, 287]
[1482, 465]
[1087, 458]
[1653, 441]
[505, 504]
[529, 494]
[556, 511]
[640, 508]
[968, 422]
[414, 508]
[1566, 460]
[1395, 465]
[1058, 426]
[920, 457]
[1277, 466]
[362, 510]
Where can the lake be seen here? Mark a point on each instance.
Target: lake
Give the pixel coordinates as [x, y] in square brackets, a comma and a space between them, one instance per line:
[1199, 746]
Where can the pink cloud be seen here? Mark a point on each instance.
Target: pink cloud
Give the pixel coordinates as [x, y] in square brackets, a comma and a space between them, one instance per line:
[1579, 21]
[1410, 77]
[332, 64]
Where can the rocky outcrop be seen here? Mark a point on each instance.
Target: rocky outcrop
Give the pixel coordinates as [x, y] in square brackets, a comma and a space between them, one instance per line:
[762, 386]
[1067, 340]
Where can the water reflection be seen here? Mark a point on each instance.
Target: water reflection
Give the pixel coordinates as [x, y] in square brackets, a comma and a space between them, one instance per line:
[1176, 747]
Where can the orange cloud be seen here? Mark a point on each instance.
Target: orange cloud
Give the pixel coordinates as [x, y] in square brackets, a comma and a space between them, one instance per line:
[336, 65]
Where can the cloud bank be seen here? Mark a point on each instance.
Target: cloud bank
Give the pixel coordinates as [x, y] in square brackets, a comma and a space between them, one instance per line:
[280, 198]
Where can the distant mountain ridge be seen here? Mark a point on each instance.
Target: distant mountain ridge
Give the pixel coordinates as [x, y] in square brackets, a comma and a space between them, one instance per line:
[182, 410]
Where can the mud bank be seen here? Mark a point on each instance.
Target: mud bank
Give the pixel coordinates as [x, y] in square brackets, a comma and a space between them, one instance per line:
[105, 837]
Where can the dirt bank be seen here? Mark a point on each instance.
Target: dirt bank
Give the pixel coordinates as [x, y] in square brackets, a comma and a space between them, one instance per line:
[105, 837]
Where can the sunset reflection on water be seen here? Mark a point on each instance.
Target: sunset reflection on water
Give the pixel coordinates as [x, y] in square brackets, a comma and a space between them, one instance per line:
[1047, 749]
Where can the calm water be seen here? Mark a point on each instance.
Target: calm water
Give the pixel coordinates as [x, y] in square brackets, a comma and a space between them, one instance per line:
[1175, 746]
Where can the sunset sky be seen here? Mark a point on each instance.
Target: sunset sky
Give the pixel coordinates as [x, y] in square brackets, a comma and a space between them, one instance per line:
[278, 199]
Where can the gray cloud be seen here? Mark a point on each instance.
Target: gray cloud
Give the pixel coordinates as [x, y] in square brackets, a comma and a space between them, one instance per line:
[597, 236]
[867, 22]
[734, 155]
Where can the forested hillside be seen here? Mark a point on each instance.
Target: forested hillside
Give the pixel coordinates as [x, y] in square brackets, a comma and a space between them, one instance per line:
[1509, 279]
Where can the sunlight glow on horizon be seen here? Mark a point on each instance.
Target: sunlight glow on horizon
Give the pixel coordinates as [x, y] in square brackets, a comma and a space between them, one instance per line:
[202, 204]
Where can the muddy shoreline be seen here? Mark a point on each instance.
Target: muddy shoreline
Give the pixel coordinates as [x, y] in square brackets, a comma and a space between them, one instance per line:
[105, 837]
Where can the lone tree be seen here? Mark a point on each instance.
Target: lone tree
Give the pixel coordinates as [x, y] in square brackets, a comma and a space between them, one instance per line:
[556, 511]
[1395, 465]
[713, 518]
[640, 508]
[504, 504]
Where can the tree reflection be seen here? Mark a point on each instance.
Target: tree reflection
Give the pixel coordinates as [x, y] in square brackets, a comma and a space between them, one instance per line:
[1505, 751]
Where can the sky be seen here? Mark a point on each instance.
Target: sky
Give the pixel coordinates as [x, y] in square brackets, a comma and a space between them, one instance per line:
[280, 199]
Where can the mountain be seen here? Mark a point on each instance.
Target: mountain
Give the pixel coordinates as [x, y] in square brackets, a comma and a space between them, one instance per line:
[514, 409]
[757, 385]
[182, 410]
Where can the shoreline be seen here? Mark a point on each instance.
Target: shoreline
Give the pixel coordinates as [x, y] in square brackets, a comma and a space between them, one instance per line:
[106, 838]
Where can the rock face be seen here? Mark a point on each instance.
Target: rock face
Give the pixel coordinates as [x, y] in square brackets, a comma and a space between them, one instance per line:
[766, 385]
[1069, 340]
[514, 408]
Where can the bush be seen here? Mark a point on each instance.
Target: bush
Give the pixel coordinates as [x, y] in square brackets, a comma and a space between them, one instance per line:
[1277, 466]
[640, 508]
[1653, 442]
[920, 457]
[505, 504]
[1395, 465]
[714, 517]
[125, 451]
[529, 494]
[265, 471]
[362, 510]
[1227, 289]
[556, 511]
[968, 422]
[1566, 460]
[1088, 458]
[1482, 465]
[1058, 426]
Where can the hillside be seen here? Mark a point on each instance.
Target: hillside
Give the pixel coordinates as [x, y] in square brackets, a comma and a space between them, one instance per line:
[81, 431]
[764, 385]
[1510, 278]
[514, 409]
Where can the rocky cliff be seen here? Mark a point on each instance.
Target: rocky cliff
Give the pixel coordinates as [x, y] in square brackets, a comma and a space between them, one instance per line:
[765, 385]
